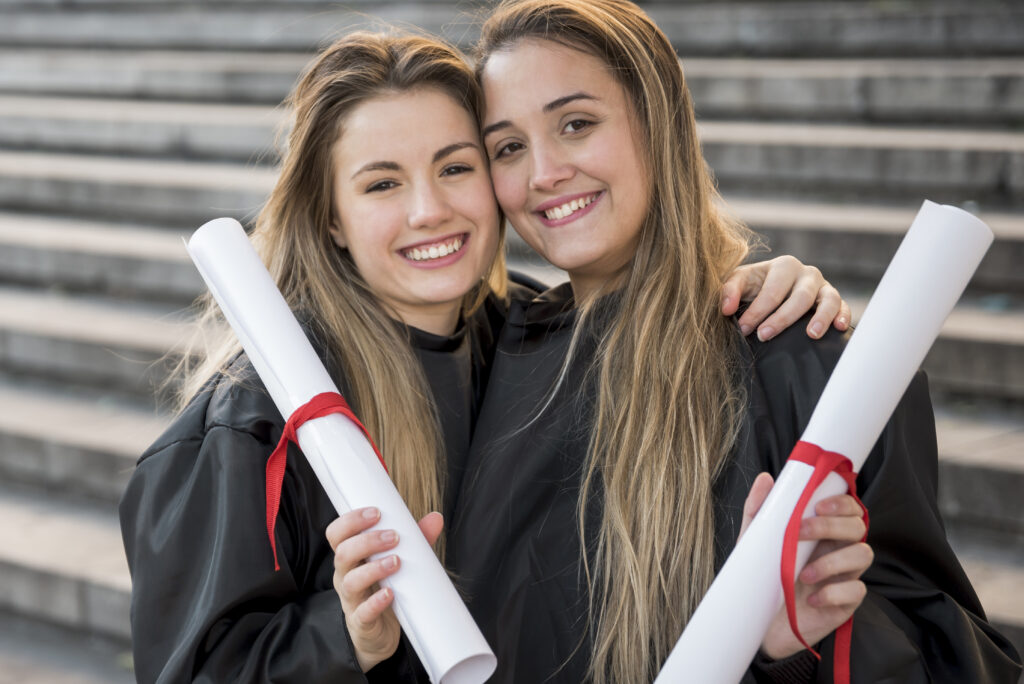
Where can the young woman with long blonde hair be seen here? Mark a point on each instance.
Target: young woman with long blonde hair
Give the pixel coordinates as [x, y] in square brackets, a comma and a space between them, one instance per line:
[617, 452]
[383, 234]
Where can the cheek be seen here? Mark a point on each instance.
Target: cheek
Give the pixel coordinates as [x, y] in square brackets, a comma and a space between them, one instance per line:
[509, 189]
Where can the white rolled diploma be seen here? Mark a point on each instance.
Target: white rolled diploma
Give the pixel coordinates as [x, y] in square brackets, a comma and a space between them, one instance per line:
[925, 279]
[434, 618]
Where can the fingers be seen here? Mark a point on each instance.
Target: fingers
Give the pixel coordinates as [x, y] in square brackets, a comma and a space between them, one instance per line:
[843, 318]
[829, 304]
[357, 584]
[840, 504]
[759, 491]
[431, 525]
[355, 550]
[840, 528]
[839, 595]
[847, 563]
[746, 278]
[771, 290]
[350, 524]
[369, 611]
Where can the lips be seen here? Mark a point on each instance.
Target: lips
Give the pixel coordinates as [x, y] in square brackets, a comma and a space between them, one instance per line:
[436, 249]
[567, 209]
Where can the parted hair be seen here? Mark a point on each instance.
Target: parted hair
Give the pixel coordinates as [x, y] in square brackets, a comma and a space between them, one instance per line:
[667, 400]
[387, 386]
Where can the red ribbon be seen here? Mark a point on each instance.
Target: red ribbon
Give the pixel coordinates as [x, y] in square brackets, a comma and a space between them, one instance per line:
[824, 463]
[317, 407]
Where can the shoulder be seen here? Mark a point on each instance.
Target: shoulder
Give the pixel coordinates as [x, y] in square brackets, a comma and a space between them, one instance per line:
[234, 400]
[795, 361]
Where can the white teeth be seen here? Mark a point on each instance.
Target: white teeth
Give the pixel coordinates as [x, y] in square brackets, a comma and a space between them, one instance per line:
[434, 251]
[568, 208]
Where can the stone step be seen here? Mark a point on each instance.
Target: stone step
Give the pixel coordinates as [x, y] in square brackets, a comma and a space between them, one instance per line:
[852, 162]
[170, 129]
[37, 653]
[981, 473]
[238, 77]
[72, 446]
[118, 349]
[985, 91]
[64, 564]
[848, 241]
[759, 28]
[181, 194]
[81, 256]
[955, 91]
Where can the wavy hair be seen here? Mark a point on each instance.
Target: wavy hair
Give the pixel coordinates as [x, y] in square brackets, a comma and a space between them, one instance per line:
[319, 280]
[668, 399]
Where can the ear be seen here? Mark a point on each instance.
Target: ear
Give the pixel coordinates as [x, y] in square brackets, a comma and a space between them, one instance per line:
[338, 235]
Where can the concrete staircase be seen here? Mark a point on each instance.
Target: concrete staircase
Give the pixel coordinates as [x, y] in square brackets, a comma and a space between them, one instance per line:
[126, 123]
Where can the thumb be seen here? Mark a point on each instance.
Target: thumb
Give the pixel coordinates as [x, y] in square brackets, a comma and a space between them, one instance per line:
[431, 525]
[759, 491]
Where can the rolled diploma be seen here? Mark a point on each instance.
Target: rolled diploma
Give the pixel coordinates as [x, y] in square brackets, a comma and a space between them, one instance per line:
[925, 279]
[434, 618]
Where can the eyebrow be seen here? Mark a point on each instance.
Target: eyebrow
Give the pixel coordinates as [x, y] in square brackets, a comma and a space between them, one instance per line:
[549, 107]
[392, 166]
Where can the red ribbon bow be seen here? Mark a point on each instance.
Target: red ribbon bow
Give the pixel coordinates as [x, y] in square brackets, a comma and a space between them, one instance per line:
[824, 463]
[317, 407]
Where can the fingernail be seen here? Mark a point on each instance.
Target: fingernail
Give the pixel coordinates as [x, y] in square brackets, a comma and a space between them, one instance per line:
[842, 320]
[816, 329]
[766, 333]
[808, 576]
[385, 594]
[390, 563]
[745, 329]
[388, 536]
[370, 513]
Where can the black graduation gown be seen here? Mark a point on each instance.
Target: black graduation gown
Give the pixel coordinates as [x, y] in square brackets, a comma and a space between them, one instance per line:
[514, 542]
[207, 605]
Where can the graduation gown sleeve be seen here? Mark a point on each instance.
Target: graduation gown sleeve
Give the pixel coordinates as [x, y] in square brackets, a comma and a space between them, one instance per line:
[207, 604]
[921, 620]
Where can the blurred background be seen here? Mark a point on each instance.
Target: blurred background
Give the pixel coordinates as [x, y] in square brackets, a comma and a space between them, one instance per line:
[124, 124]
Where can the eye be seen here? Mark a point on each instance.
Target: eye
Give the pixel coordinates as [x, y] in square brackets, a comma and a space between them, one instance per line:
[508, 149]
[577, 125]
[456, 169]
[381, 186]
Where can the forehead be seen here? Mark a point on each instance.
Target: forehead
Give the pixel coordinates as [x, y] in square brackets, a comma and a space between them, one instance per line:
[392, 126]
[533, 72]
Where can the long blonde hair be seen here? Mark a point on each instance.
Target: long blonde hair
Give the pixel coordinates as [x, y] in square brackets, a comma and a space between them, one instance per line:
[667, 397]
[387, 385]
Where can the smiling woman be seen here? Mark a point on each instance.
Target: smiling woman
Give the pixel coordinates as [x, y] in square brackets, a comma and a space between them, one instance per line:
[383, 235]
[567, 163]
[415, 212]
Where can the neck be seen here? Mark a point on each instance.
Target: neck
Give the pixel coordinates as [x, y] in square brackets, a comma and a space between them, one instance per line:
[439, 320]
[586, 286]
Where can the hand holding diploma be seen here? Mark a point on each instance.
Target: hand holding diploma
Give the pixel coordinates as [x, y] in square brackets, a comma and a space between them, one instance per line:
[373, 628]
[828, 590]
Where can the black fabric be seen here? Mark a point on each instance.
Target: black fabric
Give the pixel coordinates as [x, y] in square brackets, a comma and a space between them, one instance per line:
[516, 549]
[207, 605]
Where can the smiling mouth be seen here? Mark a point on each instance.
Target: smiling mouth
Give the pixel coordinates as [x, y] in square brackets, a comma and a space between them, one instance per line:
[435, 250]
[569, 208]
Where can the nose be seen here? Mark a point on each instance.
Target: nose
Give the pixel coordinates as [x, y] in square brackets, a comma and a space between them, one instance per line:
[550, 167]
[429, 207]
